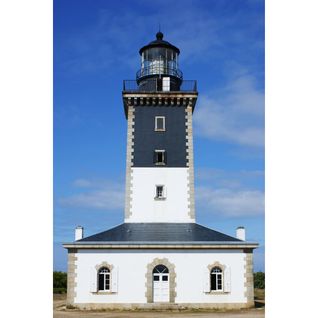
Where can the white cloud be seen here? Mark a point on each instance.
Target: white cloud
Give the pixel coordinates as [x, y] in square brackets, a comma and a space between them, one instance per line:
[234, 114]
[99, 194]
[230, 203]
[219, 178]
[83, 183]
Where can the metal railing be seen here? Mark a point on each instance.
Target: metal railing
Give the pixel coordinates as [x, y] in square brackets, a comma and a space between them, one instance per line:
[158, 70]
[155, 85]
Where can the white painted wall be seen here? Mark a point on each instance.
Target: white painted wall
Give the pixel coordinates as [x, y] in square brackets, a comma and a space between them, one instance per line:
[144, 206]
[131, 266]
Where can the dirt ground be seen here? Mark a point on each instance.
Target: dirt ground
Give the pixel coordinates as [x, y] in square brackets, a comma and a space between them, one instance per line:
[59, 311]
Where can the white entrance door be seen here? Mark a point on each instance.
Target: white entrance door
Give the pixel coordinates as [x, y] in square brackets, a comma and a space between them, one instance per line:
[161, 287]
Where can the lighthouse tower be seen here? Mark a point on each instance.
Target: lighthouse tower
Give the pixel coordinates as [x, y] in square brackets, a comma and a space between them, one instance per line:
[158, 108]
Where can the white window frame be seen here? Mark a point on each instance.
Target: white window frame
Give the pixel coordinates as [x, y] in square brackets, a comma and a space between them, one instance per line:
[163, 158]
[217, 275]
[164, 123]
[163, 196]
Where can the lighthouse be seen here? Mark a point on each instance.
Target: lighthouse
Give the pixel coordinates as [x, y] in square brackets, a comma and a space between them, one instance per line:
[159, 257]
[158, 107]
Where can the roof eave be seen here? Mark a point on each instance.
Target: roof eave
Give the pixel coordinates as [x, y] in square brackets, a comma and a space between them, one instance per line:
[162, 245]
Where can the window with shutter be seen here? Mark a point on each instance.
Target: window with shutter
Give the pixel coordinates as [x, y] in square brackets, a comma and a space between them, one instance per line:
[104, 279]
[216, 279]
[159, 157]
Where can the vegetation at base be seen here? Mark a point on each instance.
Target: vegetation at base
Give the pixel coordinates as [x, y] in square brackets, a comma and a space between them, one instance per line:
[259, 280]
[59, 282]
[59, 290]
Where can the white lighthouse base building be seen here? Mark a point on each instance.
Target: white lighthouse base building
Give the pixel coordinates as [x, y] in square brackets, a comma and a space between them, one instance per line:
[135, 274]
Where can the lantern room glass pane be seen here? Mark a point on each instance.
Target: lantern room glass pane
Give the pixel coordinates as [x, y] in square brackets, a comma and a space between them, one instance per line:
[159, 61]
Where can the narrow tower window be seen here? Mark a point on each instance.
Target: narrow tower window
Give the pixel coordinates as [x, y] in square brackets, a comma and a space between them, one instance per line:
[160, 192]
[160, 124]
[160, 157]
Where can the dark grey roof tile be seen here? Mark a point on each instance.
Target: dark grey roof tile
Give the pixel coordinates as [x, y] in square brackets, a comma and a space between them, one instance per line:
[159, 232]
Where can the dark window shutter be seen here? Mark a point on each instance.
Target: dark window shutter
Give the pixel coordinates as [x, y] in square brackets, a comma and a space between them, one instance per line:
[166, 158]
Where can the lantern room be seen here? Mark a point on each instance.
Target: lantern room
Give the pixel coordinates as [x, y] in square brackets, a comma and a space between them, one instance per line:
[159, 66]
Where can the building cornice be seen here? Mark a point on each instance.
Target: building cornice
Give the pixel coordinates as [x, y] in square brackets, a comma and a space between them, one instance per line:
[167, 245]
[159, 99]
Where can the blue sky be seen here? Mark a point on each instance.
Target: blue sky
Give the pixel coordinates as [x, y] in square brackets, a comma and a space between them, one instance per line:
[96, 46]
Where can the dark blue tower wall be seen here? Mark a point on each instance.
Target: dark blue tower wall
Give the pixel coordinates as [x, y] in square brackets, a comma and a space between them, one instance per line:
[147, 140]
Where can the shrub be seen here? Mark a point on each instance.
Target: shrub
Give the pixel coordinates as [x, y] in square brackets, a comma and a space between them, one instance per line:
[59, 280]
[259, 280]
[60, 290]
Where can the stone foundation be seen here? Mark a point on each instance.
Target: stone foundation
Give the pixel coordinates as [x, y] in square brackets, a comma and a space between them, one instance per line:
[161, 306]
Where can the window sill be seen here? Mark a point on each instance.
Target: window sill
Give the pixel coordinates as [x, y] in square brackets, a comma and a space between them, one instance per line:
[160, 130]
[160, 164]
[217, 292]
[159, 199]
[104, 293]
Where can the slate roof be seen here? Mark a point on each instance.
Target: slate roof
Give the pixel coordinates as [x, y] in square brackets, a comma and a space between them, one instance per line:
[159, 232]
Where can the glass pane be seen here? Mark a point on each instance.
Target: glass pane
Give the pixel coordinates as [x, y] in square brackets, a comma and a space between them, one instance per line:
[165, 278]
[159, 191]
[160, 269]
[156, 278]
[216, 270]
[100, 282]
[219, 281]
[107, 281]
[213, 282]
[160, 123]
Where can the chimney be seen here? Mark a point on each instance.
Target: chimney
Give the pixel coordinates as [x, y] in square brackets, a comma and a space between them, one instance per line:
[240, 233]
[79, 233]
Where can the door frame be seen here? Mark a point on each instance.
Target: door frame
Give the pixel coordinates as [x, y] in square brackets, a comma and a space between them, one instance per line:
[149, 279]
